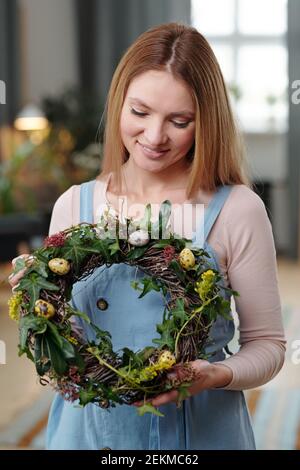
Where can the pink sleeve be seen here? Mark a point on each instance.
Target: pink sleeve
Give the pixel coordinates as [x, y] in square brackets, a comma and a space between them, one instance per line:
[248, 246]
[65, 211]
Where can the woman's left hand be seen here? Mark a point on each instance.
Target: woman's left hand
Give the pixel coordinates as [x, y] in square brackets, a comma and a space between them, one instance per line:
[207, 375]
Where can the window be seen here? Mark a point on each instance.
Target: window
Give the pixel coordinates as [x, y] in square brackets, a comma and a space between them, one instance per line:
[249, 40]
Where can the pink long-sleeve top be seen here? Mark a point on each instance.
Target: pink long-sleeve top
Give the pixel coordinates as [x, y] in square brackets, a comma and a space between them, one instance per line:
[243, 242]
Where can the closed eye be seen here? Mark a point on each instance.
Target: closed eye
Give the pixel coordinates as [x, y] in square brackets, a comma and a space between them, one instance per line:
[180, 125]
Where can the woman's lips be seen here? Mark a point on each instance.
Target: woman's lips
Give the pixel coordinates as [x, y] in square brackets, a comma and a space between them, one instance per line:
[152, 153]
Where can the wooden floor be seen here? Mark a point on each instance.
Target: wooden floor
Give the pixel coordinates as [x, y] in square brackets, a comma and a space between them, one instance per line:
[274, 408]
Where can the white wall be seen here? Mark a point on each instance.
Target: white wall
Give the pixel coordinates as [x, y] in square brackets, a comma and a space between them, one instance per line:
[49, 47]
[267, 158]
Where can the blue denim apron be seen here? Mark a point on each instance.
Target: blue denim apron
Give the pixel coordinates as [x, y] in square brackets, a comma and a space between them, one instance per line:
[213, 419]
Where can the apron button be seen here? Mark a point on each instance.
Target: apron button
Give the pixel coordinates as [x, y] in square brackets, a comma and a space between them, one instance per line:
[102, 304]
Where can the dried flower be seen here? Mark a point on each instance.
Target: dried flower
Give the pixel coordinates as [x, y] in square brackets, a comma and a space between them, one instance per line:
[13, 306]
[57, 239]
[169, 253]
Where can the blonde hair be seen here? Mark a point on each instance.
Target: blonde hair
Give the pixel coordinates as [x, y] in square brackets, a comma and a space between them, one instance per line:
[217, 155]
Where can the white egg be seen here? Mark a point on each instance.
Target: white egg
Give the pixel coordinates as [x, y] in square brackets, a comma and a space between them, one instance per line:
[139, 238]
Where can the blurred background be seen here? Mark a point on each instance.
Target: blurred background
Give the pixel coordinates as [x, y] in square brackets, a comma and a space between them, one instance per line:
[56, 63]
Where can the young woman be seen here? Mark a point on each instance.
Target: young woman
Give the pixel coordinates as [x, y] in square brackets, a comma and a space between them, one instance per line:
[170, 134]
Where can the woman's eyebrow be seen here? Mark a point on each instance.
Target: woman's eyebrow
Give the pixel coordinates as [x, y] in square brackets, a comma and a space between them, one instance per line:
[184, 112]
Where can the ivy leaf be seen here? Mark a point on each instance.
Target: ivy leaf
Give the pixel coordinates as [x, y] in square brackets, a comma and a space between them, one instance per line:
[114, 247]
[179, 311]
[33, 284]
[75, 250]
[135, 285]
[149, 283]
[102, 247]
[30, 322]
[82, 315]
[130, 358]
[161, 244]
[39, 267]
[137, 252]
[55, 354]
[86, 396]
[148, 408]
[166, 339]
[178, 270]
[20, 264]
[183, 391]
[41, 358]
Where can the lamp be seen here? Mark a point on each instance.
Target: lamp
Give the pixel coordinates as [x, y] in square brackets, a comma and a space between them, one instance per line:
[32, 120]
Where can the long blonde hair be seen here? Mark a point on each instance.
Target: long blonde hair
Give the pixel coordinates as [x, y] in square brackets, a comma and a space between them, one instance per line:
[217, 155]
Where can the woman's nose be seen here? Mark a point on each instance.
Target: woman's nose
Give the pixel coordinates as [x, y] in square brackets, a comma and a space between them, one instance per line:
[155, 133]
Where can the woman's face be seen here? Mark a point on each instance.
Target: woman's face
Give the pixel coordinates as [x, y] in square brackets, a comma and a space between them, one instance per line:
[157, 120]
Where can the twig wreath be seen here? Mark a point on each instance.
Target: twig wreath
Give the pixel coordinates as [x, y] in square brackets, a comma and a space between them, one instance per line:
[92, 372]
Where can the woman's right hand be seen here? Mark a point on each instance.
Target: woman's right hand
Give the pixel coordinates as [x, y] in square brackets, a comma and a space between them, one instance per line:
[14, 279]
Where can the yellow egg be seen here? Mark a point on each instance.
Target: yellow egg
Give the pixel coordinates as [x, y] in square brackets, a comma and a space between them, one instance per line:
[166, 359]
[44, 309]
[59, 266]
[186, 259]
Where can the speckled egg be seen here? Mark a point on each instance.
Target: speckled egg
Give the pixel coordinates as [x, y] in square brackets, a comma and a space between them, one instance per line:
[44, 309]
[166, 359]
[59, 266]
[186, 259]
[139, 238]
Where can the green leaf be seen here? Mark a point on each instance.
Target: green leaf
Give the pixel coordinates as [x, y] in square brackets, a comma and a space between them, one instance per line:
[137, 252]
[76, 251]
[82, 315]
[19, 266]
[148, 408]
[150, 284]
[103, 247]
[33, 284]
[56, 356]
[161, 244]
[27, 351]
[86, 396]
[56, 337]
[165, 329]
[41, 357]
[178, 270]
[114, 247]
[179, 312]
[30, 322]
[39, 267]
[135, 285]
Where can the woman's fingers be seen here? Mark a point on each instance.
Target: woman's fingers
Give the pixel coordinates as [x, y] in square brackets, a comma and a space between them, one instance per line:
[165, 398]
[14, 278]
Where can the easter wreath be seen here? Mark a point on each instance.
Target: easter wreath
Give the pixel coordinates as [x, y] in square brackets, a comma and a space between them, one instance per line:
[93, 372]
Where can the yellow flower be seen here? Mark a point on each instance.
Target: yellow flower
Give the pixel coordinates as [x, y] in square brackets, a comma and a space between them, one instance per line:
[13, 306]
[148, 373]
[208, 275]
[70, 339]
[205, 285]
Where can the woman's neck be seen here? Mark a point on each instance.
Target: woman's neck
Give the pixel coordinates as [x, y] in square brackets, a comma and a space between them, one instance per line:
[142, 184]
